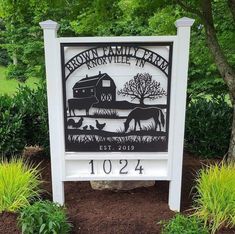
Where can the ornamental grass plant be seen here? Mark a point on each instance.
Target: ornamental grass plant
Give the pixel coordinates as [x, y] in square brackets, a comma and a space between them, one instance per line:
[215, 197]
[19, 184]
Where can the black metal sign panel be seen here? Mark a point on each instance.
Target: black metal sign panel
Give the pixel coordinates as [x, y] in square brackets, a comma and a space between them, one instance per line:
[116, 96]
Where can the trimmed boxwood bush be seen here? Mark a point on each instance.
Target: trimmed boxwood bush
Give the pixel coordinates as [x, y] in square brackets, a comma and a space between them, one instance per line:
[208, 127]
[32, 104]
[11, 127]
[23, 120]
[44, 217]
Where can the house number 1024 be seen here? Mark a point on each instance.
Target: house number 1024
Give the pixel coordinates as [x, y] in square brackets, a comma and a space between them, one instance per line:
[107, 167]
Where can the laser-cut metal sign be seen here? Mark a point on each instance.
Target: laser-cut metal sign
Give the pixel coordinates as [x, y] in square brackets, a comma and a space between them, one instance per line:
[117, 107]
[116, 96]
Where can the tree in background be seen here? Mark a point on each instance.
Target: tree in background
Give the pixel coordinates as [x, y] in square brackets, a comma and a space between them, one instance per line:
[23, 37]
[142, 87]
[208, 12]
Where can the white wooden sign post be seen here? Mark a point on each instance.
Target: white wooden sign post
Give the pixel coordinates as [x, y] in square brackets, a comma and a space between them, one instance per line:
[117, 107]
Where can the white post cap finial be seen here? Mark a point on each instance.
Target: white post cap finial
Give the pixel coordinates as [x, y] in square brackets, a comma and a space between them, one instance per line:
[49, 24]
[184, 22]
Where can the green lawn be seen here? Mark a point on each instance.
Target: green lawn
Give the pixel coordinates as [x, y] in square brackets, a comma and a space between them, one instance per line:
[10, 86]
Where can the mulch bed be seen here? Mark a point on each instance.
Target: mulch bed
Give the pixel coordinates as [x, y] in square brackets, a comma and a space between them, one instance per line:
[135, 211]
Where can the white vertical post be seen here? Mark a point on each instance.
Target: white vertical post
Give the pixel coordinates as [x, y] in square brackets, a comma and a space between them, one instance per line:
[181, 69]
[55, 107]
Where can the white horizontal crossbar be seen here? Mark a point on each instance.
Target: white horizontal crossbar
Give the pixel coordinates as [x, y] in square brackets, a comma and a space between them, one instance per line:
[96, 178]
[115, 155]
[146, 39]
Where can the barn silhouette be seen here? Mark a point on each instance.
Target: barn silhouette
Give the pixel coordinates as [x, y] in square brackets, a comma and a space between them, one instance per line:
[101, 86]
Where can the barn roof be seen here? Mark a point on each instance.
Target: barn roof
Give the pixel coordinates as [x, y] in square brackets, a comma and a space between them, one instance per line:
[90, 81]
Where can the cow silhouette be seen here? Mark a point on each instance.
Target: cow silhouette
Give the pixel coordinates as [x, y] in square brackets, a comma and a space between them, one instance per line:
[81, 103]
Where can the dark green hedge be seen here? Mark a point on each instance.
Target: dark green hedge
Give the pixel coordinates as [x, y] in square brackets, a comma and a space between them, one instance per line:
[23, 120]
[208, 127]
[4, 57]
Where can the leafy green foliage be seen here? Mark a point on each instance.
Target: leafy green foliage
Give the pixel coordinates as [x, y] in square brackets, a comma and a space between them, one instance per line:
[181, 224]
[225, 29]
[23, 35]
[44, 217]
[32, 105]
[208, 126]
[204, 77]
[19, 184]
[4, 59]
[11, 127]
[161, 23]
[207, 86]
[16, 72]
[215, 198]
[24, 120]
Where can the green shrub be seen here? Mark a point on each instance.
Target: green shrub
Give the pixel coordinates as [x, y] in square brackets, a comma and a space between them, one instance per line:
[208, 127]
[215, 197]
[19, 184]
[16, 72]
[4, 57]
[11, 127]
[24, 120]
[44, 217]
[181, 224]
[32, 104]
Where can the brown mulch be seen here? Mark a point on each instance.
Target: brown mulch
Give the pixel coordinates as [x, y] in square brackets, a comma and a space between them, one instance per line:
[133, 212]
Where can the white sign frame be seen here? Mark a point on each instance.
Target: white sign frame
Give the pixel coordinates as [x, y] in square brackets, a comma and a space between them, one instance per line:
[169, 165]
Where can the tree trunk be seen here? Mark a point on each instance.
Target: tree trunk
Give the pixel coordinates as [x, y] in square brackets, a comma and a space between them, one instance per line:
[228, 75]
[14, 58]
[142, 101]
[226, 71]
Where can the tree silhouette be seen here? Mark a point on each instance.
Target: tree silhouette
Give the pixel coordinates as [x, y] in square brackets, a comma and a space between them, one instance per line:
[141, 87]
